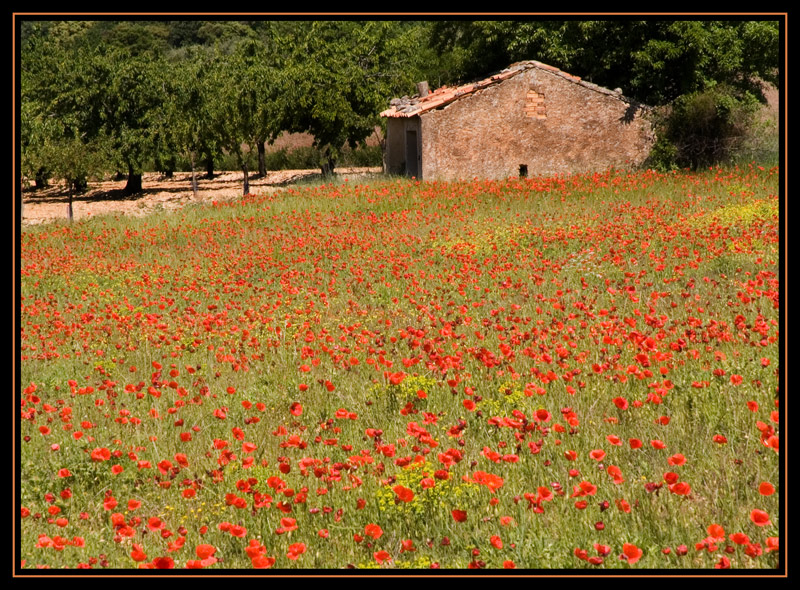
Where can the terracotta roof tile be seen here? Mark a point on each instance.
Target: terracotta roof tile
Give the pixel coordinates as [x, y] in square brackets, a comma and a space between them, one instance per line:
[410, 107]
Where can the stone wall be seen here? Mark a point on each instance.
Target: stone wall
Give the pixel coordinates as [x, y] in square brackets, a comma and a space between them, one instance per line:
[545, 121]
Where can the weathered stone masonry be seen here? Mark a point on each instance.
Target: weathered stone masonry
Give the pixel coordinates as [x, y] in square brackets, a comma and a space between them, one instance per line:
[529, 119]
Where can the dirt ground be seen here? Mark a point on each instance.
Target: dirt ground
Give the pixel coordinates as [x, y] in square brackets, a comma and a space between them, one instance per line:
[160, 193]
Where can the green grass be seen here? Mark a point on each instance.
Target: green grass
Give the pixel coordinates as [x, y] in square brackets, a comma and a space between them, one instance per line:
[558, 294]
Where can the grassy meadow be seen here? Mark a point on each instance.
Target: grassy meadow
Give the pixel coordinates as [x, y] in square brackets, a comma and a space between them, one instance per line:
[573, 372]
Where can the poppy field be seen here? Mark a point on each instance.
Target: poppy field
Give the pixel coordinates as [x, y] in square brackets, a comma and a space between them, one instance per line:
[549, 373]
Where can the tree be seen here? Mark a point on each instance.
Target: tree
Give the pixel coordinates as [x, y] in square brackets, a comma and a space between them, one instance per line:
[60, 132]
[186, 116]
[338, 76]
[129, 111]
[243, 106]
[654, 60]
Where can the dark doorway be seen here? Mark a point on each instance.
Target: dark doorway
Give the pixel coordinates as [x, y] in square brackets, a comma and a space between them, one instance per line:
[412, 155]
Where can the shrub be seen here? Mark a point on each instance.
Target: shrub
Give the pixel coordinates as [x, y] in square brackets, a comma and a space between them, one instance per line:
[703, 128]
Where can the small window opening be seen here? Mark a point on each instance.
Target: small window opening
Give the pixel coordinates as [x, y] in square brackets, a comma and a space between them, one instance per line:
[523, 171]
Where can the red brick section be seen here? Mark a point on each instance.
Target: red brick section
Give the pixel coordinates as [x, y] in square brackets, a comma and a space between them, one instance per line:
[535, 105]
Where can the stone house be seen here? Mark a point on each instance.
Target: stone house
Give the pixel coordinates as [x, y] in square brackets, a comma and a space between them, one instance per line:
[529, 119]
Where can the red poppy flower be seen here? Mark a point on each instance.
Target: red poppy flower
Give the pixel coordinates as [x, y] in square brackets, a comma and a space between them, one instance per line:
[631, 553]
[680, 488]
[101, 454]
[677, 459]
[296, 409]
[403, 493]
[739, 538]
[204, 551]
[381, 556]
[759, 517]
[288, 524]
[154, 523]
[296, 550]
[262, 561]
[753, 550]
[597, 454]
[490, 480]
[373, 530]
[616, 473]
[163, 563]
[459, 515]
[724, 563]
[138, 554]
[766, 488]
[602, 550]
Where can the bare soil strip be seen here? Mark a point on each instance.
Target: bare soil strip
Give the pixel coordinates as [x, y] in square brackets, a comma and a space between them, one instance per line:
[160, 193]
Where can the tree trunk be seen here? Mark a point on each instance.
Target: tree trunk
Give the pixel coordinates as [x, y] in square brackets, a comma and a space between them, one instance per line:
[170, 166]
[194, 178]
[69, 202]
[328, 164]
[134, 184]
[246, 181]
[210, 167]
[262, 160]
